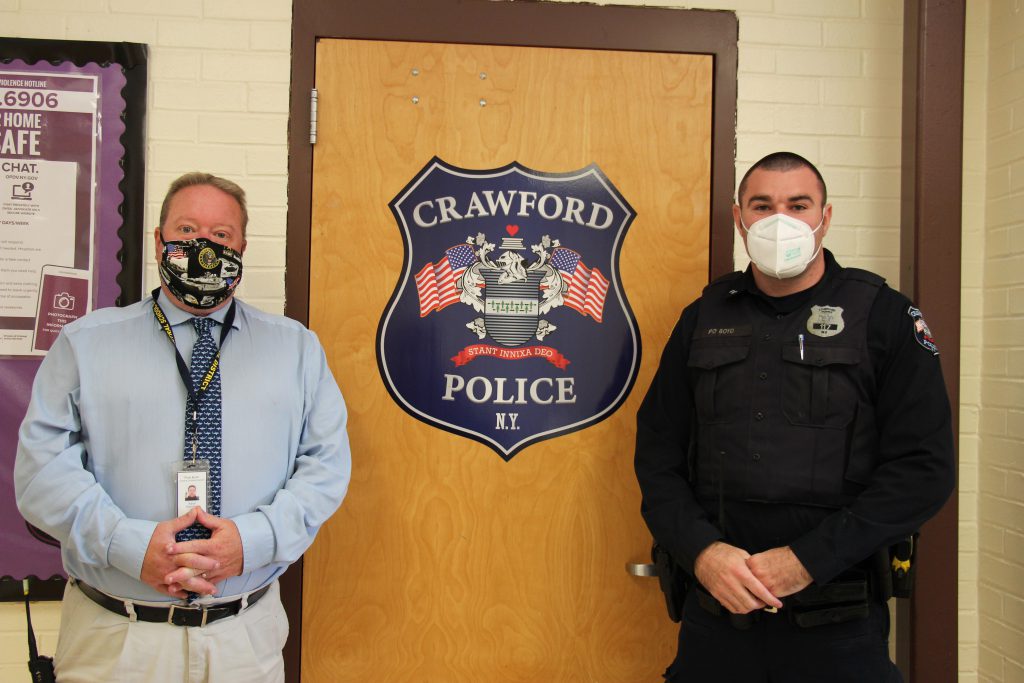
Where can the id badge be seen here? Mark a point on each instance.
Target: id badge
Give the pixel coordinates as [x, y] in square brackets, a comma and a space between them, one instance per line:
[192, 485]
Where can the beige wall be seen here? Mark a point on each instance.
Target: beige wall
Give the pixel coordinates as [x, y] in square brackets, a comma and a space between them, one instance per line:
[1001, 411]
[973, 215]
[819, 78]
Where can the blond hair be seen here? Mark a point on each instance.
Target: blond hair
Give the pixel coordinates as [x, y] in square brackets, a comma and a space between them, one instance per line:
[194, 178]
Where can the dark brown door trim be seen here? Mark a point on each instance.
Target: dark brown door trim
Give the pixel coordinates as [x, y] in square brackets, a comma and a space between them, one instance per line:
[932, 167]
[527, 24]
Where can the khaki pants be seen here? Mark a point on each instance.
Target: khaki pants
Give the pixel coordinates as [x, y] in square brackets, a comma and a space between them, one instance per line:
[98, 645]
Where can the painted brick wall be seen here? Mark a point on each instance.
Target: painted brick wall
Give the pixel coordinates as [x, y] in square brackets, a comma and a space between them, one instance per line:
[972, 282]
[827, 86]
[819, 78]
[822, 79]
[1001, 424]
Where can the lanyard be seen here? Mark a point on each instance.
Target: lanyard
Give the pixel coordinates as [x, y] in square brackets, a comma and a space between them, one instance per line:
[186, 377]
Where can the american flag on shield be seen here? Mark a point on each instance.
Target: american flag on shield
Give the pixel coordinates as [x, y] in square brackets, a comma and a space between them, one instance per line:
[435, 283]
[587, 287]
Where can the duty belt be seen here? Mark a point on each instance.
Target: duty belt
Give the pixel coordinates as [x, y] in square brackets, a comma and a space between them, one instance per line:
[846, 599]
[177, 615]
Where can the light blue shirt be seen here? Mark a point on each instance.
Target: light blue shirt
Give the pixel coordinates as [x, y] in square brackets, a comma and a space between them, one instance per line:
[104, 435]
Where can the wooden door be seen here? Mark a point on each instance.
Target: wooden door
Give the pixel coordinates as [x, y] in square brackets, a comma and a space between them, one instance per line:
[446, 563]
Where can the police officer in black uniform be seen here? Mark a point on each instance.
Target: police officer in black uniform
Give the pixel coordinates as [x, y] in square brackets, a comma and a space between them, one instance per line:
[797, 428]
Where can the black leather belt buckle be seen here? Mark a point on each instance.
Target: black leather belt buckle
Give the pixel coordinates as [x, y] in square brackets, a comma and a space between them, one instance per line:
[180, 615]
[176, 615]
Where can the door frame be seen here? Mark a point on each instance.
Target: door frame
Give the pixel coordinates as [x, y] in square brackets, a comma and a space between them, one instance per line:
[931, 168]
[483, 22]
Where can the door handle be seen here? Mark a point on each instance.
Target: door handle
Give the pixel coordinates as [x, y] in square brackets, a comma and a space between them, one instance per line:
[641, 569]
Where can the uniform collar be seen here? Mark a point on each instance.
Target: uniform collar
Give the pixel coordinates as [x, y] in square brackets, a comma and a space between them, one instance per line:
[745, 285]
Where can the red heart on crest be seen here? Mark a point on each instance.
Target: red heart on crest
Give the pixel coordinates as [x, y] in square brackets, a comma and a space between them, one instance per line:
[512, 229]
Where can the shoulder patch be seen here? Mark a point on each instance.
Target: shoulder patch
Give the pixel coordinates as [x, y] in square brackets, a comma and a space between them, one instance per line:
[922, 333]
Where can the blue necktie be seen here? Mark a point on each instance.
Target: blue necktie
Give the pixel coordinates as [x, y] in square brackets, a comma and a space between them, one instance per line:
[208, 417]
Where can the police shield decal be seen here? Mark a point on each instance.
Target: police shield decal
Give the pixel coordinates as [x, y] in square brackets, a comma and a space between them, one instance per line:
[508, 324]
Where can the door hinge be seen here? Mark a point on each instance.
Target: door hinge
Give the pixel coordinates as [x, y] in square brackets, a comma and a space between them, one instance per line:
[312, 116]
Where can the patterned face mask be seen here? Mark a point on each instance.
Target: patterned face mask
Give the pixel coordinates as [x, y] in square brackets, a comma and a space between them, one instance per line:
[200, 273]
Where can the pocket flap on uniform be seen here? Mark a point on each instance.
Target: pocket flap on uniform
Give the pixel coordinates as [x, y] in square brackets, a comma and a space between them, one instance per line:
[710, 357]
[821, 355]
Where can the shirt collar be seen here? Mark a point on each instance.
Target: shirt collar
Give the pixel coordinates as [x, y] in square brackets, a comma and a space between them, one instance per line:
[175, 316]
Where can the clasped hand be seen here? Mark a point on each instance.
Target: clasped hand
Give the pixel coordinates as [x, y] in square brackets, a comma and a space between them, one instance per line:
[192, 566]
[742, 582]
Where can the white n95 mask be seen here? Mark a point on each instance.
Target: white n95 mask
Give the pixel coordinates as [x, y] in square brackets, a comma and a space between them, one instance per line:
[781, 246]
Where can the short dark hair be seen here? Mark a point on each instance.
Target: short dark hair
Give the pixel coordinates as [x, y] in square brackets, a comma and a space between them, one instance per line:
[782, 161]
[194, 178]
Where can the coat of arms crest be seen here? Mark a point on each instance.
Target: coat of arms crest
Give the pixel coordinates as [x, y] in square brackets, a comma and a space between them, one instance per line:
[498, 329]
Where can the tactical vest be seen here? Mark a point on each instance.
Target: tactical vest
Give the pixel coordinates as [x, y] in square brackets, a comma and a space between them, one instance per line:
[776, 422]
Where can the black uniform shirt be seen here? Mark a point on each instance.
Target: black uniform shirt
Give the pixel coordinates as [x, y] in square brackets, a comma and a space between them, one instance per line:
[915, 467]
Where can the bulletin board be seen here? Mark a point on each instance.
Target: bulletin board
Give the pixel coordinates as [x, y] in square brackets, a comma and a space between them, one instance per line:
[72, 169]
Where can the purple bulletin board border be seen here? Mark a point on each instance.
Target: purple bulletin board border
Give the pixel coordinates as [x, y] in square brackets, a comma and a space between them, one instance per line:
[117, 243]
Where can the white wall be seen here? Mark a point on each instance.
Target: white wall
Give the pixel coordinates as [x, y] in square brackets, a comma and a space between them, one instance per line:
[818, 78]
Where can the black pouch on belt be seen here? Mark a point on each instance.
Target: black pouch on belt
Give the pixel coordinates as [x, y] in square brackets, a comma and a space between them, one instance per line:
[834, 593]
[829, 615]
[902, 564]
[845, 599]
[673, 581]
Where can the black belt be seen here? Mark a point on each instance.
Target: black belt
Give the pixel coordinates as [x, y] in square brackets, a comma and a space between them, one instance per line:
[709, 604]
[832, 603]
[177, 615]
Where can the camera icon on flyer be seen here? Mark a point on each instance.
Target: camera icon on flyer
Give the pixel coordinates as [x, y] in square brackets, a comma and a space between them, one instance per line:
[64, 301]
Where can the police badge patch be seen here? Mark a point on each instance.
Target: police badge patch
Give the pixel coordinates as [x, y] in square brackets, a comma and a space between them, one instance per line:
[826, 321]
[508, 324]
[922, 333]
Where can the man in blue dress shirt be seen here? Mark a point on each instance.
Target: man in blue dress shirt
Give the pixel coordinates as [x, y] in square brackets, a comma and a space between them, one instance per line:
[104, 456]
